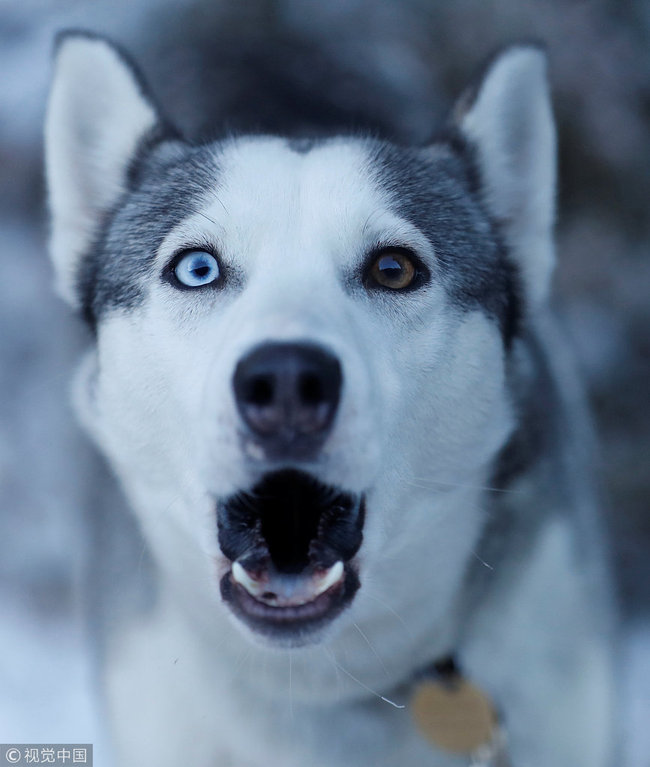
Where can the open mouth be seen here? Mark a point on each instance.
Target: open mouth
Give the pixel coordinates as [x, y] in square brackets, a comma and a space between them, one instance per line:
[291, 541]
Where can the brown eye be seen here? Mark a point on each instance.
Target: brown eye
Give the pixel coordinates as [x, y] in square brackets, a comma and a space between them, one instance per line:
[393, 269]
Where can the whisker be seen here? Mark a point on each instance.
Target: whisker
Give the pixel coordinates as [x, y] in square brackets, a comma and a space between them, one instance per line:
[372, 647]
[424, 482]
[173, 501]
[482, 561]
[138, 569]
[364, 229]
[390, 609]
[206, 217]
[218, 199]
[365, 686]
[244, 656]
[329, 657]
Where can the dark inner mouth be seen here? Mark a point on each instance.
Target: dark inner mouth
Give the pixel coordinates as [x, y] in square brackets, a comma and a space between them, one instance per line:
[293, 520]
[286, 525]
[290, 541]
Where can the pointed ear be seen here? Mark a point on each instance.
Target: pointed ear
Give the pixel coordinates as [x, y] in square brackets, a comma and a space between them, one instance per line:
[98, 114]
[508, 120]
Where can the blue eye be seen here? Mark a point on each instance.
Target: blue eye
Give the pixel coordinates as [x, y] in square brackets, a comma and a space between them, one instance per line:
[197, 268]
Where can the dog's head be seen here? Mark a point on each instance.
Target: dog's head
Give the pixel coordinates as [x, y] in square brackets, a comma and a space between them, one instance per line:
[302, 347]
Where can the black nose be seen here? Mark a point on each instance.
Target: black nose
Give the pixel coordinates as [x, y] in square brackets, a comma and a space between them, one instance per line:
[287, 395]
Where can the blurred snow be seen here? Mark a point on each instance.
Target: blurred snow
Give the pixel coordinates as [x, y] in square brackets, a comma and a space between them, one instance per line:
[45, 678]
[423, 50]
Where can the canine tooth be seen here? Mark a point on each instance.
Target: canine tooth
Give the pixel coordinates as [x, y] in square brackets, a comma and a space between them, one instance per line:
[244, 579]
[330, 577]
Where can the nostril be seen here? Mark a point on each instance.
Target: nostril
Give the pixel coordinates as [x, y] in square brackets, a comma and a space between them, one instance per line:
[310, 389]
[287, 395]
[260, 391]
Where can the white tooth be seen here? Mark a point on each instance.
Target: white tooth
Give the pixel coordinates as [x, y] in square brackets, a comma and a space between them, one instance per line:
[330, 578]
[243, 578]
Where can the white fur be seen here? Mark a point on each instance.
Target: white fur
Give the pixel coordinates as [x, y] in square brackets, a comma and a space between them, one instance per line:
[511, 125]
[95, 118]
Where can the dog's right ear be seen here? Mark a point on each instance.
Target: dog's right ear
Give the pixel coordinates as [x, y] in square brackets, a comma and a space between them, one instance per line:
[98, 115]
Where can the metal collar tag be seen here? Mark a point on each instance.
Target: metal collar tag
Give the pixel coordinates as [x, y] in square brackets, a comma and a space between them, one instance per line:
[458, 717]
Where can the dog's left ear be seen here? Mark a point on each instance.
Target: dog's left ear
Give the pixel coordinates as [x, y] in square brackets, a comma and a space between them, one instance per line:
[98, 115]
[508, 121]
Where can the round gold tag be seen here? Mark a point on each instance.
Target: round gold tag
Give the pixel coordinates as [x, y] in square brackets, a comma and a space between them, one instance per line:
[456, 717]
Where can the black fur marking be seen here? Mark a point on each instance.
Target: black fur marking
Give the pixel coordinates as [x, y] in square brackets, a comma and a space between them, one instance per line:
[438, 191]
[168, 184]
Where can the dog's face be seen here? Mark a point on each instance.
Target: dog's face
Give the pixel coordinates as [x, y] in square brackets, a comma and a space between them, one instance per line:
[301, 347]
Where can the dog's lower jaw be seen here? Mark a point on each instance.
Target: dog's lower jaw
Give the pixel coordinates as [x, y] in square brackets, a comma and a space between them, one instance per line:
[291, 626]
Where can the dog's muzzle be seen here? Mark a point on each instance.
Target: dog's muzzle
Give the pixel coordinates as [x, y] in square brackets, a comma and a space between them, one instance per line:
[287, 395]
[291, 542]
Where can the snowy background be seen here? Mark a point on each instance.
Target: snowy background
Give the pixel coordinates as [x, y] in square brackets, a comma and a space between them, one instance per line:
[422, 51]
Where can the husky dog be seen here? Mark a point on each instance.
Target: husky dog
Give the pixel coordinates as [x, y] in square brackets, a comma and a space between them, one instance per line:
[326, 374]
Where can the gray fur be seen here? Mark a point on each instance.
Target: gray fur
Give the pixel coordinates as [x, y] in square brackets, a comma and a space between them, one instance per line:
[168, 183]
[434, 189]
[430, 187]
